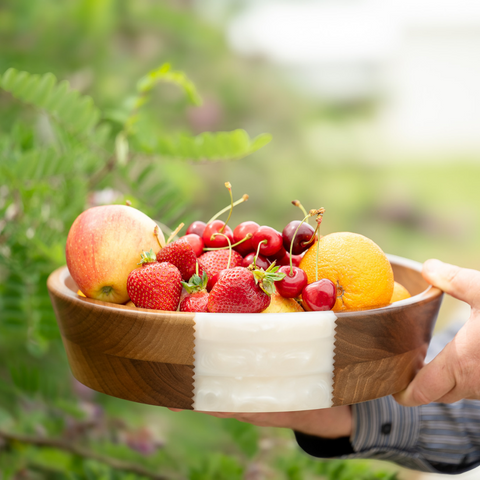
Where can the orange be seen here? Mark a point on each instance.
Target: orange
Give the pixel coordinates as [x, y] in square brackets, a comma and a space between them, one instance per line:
[356, 265]
[399, 293]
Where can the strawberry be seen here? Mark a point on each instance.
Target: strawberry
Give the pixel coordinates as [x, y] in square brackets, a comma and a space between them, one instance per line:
[243, 290]
[215, 261]
[195, 302]
[181, 254]
[155, 285]
[197, 296]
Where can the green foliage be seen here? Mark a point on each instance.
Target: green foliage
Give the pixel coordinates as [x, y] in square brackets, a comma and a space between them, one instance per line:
[218, 467]
[163, 74]
[58, 99]
[215, 146]
[298, 467]
[244, 435]
[356, 470]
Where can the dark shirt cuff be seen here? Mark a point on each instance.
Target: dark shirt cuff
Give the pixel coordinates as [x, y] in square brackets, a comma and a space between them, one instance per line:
[324, 447]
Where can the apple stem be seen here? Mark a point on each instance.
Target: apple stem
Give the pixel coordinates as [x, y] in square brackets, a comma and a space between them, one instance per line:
[238, 202]
[245, 238]
[229, 246]
[172, 236]
[128, 203]
[156, 231]
[299, 205]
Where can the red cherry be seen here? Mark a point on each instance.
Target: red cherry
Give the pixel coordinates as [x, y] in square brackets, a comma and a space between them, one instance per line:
[292, 284]
[196, 242]
[273, 240]
[303, 238]
[240, 232]
[197, 227]
[262, 262]
[286, 260]
[277, 256]
[320, 295]
[219, 240]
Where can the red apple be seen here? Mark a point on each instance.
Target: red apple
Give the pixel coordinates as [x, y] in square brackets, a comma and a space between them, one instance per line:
[104, 245]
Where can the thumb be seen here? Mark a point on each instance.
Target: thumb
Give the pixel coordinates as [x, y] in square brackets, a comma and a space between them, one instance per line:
[461, 283]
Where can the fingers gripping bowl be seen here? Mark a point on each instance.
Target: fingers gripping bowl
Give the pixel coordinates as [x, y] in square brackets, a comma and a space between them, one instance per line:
[247, 362]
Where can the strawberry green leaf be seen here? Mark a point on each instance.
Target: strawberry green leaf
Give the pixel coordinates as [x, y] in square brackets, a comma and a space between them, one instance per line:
[147, 257]
[196, 283]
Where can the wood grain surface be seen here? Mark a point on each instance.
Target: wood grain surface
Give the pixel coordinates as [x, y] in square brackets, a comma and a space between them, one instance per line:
[147, 356]
[131, 353]
[155, 383]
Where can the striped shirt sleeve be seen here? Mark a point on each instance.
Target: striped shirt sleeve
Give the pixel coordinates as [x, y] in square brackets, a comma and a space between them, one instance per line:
[443, 438]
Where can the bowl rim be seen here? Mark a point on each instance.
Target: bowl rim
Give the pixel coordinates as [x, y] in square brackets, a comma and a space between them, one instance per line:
[57, 285]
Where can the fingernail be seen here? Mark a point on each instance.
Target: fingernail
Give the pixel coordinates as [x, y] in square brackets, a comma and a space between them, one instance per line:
[432, 266]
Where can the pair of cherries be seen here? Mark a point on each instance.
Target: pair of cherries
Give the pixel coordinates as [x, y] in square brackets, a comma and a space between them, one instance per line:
[320, 295]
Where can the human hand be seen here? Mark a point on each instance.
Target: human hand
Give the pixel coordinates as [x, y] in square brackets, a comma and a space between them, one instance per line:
[453, 374]
[332, 422]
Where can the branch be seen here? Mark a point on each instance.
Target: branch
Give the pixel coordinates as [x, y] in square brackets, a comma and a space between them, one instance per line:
[61, 444]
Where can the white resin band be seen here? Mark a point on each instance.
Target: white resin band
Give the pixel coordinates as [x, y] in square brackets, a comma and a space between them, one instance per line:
[271, 362]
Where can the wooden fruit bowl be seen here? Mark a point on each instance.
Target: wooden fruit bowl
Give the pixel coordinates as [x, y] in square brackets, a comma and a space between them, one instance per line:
[247, 362]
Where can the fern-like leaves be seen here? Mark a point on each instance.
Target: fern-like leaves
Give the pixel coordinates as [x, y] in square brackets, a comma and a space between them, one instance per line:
[208, 146]
[212, 146]
[162, 74]
[167, 75]
[78, 113]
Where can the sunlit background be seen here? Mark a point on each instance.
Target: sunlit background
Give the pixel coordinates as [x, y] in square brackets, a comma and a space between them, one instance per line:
[373, 106]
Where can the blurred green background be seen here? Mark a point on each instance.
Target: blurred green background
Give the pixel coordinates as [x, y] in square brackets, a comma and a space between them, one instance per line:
[346, 136]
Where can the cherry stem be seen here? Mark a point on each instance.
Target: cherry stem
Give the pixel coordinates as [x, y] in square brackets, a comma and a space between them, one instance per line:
[319, 219]
[248, 236]
[175, 232]
[319, 213]
[229, 246]
[238, 202]
[299, 205]
[229, 186]
[258, 252]
[308, 215]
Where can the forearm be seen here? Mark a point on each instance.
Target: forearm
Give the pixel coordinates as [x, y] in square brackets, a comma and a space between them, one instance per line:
[337, 424]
